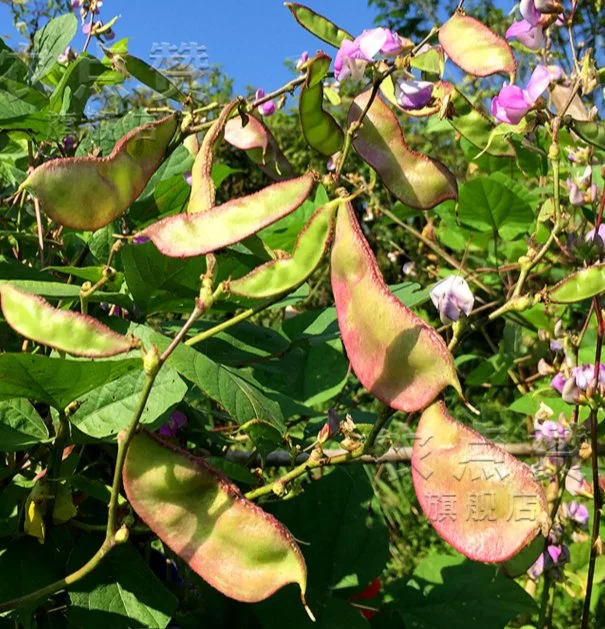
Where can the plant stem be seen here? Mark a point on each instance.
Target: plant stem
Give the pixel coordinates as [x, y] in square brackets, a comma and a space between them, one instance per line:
[317, 459]
[225, 325]
[598, 503]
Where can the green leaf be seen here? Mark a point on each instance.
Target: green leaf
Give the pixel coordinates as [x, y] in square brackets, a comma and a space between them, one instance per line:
[20, 425]
[467, 594]
[122, 591]
[241, 397]
[495, 204]
[110, 408]
[344, 547]
[56, 381]
[51, 41]
[151, 77]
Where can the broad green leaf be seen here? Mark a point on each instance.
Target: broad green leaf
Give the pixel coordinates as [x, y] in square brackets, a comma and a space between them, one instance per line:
[54, 380]
[346, 548]
[151, 77]
[20, 425]
[110, 408]
[489, 204]
[123, 589]
[242, 399]
[50, 41]
[466, 594]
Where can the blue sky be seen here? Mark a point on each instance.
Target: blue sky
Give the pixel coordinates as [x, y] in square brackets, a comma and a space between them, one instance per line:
[249, 38]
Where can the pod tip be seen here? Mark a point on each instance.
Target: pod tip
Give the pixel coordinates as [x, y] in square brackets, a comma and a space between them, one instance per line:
[307, 608]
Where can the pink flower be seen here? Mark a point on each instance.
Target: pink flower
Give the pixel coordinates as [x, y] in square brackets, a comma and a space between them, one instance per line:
[452, 296]
[512, 103]
[177, 421]
[75, 4]
[577, 512]
[598, 238]
[267, 108]
[412, 94]
[86, 28]
[551, 431]
[304, 57]
[353, 56]
[558, 382]
[576, 484]
[528, 30]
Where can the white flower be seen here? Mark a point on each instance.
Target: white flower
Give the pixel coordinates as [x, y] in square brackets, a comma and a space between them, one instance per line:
[452, 296]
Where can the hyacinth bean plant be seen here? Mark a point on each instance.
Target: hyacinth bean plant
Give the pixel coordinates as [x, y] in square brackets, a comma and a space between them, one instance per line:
[214, 344]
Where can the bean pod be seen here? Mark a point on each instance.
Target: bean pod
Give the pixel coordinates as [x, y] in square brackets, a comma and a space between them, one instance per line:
[260, 146]
[395, 354]
[579, 286]
[90, 192]
[414, 178]
[475, 48]
[70, 332]
[479, 498]
[318, 25]
[320, 129]
[202, 186]
[186, 235]
[283, 275]
[231, 543]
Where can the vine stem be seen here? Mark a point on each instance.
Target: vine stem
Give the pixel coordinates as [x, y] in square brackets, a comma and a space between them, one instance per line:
[115, 535]
[317, 459]
[595, 542]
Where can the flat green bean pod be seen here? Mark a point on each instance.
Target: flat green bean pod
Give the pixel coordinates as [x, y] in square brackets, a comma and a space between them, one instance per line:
[186, 235]
[396, 355]
[579, 286]
[591, 132]
[260, 146]
[475, 48]
[320, 129]
[414, 178]
[280, 276]
[202, 186]
[318, 25]
[70, 332]
[234, 545]
[90, 192]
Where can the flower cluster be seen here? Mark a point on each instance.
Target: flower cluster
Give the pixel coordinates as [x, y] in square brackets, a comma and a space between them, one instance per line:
[580, 383]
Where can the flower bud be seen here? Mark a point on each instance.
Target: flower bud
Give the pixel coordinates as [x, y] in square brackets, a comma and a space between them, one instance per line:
[452, 297]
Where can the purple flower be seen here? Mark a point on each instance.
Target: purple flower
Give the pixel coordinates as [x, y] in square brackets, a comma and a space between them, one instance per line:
[576, 484]
[140, 240]
[536, 570]
[86, 28]
[412, 94]
[551, 431]
[577, 512]
[187, 177]
[333, 162]
[452, 296]
[554, 557]
[75, 4]
[66, 56]
[512, 103]
[528, 30]
[584, 375]
[556, 346]
[109, 34]
[177, 421]
[596, 237]
[267, 108]
[353, 56]
[558, 382]
[304, 57]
